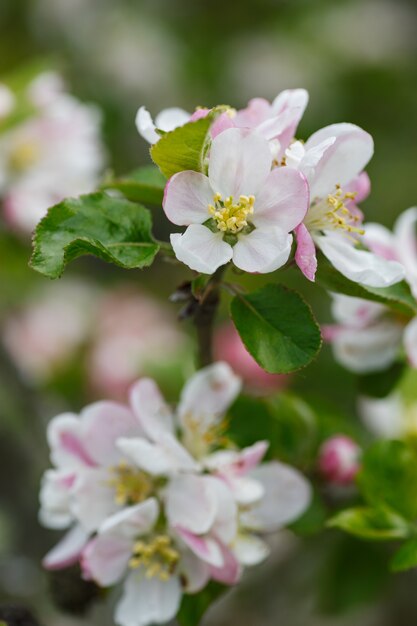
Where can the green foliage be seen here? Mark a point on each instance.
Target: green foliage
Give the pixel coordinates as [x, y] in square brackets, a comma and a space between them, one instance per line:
[406, 557]
[183, 148]
[397, 297]
[389, 477]
[373, 524]
[313, 520]
[277, 328]
[380, 384]
[145, 184]
[116, 231]
[194, 606]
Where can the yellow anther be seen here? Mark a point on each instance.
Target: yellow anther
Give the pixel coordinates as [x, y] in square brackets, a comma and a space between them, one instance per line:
[23, 156]
[158, 557]
[229, 214]
[333, 214]
[131, 485]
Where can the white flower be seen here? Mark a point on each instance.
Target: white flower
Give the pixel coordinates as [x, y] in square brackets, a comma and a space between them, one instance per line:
[242, 210]
[391, 417]
[166, 120]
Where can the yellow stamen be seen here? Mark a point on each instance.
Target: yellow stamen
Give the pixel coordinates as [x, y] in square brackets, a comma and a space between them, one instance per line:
[333, 214]
[158, 557]
[231, 215]
[131, 485]
[23, 156]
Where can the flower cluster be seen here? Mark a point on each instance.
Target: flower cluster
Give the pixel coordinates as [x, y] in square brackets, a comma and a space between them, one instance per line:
[162, 499]
[53, 152]
[262, 184]
[368, 336]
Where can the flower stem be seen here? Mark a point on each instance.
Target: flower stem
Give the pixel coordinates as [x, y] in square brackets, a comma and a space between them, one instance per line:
[204, 317]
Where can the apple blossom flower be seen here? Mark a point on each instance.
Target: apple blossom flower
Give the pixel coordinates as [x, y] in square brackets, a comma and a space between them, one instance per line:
[229, 347]
[391, 417]
[242, 210]
[368, 336]
[332, 160]
[339, 460]
[155, 499]
[54, 153]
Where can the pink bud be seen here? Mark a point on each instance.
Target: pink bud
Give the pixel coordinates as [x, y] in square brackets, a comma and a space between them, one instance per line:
[229, 347]
[339, 459]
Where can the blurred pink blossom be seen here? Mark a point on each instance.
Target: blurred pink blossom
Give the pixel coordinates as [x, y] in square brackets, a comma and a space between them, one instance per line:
[339, 459]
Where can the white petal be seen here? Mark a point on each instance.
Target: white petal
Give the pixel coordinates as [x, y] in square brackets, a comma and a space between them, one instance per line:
[239, 163]
[166, 457]
[368, 349]
[204, 547]
[384, 417]
[410, 341]
[343, 161]
[355, 312]
[93, 498]
[264, 250]
[147, 601]
[201, 249]
[406, 245]
[191, 503]
[145, 125]
[68, 550]
[246, 490]
[132, 521]
[287, 496]
[225, 523]
[291, 99]
[282, 201]
[195, 573]
[150, 408]
[208, 394]
[65, 440]
[380, 240]
[187, 198]
[250, 549]
[105, 559]
[171, 118]
[359, 266]
[55, 498]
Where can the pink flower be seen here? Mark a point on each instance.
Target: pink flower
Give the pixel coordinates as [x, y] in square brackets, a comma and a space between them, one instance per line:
[242, 210]
[339, 460]
[229, 347]
[332, 160]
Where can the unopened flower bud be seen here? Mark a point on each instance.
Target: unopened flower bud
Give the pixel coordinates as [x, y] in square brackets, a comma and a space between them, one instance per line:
[339, 460]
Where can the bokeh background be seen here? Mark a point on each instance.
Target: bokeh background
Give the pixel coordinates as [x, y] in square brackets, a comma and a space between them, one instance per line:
[63, 344]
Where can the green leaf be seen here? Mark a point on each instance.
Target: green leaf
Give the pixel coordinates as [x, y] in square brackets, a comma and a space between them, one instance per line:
[277, 328]
[406, 557]
[313, 520]
[116, 231]
[380, 384]
[145, 184]
[375, 524]
[397, 297]
[194, 606]
[183, 148]
[389, 477]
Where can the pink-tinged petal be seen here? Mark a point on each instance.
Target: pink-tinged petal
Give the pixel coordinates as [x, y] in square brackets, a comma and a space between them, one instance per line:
[55, 498]
[263, 250]
[406, 236]
[201, 249]
[187, 197]
[410, 342]
[195, 573]
[358, 265]
[208, 394]
[384, 417]
[102, 424]
[148, 601]
[380, 241]
[225, 523]
[150, 408]
[191, 503]
[257, 111]
[287, 496]
[360, 186]
[93, 498]
[370, 349]
[250, 549]
[294, 102]
[339, 460]
[343, 161]
[132, 521]
[355, 312]
[65, 440]
[145, 125]
[230, 572]
[199, 114]
[166, 457]
[169, 119]
[205, 548]
[240, 162]
[68, 550]
[222, 123]
[105, 559]
[282, 201]
[305, 255]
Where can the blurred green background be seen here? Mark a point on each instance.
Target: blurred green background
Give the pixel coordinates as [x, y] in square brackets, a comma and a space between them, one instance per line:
[358, 60]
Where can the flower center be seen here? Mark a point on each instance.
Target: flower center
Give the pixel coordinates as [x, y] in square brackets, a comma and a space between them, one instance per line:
[230, 215]
[333, 214]
[157, 556]
[131, 485]
[199, 437]
[23, 156]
